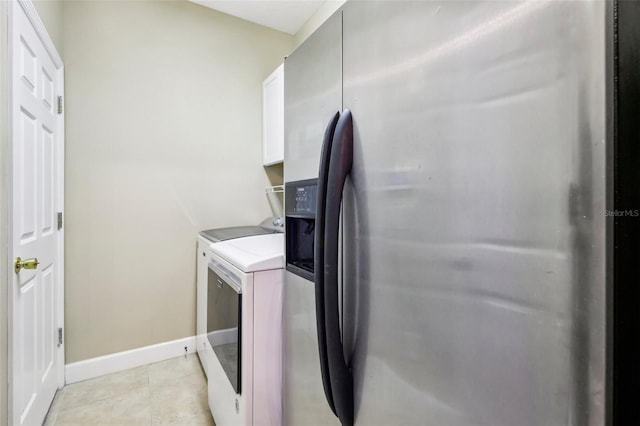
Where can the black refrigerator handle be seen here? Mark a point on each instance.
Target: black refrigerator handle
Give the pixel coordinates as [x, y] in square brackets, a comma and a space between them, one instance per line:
[318, 261]
[340, 162]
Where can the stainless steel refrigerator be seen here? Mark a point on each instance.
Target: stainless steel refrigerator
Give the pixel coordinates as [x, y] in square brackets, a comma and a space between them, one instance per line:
[445, 189]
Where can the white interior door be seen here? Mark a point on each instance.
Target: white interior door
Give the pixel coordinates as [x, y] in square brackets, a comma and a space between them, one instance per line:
[36, 136]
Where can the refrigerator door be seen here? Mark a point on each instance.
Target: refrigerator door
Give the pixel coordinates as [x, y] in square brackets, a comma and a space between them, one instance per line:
[304, 399]
[313, 96]
[475, 232]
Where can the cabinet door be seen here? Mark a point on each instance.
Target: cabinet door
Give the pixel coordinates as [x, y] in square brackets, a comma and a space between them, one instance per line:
[273, 118]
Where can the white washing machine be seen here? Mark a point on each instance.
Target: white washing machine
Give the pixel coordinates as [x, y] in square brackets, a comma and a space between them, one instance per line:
[272, 225]
[244, 330]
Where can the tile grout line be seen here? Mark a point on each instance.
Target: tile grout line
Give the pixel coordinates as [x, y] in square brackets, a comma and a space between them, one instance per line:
[163, 382]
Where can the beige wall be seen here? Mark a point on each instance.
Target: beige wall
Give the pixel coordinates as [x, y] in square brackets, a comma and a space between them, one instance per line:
[3, 214]
[50, 11]
[164, 128]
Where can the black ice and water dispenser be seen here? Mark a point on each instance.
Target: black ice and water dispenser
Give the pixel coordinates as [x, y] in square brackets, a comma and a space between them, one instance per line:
[300, 212]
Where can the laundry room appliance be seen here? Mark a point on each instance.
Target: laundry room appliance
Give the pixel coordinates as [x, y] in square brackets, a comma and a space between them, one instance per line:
[243, 348]
[271, 225]
[464, 156]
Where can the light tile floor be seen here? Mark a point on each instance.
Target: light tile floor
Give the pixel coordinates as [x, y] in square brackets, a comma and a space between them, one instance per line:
[172, 392]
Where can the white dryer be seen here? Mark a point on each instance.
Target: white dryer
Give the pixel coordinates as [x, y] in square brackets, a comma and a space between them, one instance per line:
[244, 330]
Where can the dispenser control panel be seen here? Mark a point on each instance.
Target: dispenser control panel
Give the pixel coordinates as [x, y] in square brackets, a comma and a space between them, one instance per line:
[301, 198]
[300, 220]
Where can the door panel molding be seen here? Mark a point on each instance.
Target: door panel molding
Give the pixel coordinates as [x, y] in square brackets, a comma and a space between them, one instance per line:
[41, 31]
[35, 74]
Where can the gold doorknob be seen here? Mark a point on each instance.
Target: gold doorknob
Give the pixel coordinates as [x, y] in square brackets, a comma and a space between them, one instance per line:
[25, 264]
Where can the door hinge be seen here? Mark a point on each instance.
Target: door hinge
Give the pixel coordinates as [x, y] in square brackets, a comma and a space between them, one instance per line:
[59, 104]
[59, 336]
[59, 220]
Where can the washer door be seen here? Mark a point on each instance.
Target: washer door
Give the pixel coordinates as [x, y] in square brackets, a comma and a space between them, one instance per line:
[224, 321]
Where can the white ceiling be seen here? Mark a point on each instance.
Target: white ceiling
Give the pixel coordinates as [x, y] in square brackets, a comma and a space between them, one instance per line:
[283, 15]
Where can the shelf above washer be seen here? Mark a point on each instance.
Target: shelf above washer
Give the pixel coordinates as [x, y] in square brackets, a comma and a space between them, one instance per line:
[271, 189]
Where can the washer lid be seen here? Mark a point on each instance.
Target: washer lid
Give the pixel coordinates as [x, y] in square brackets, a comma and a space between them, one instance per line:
[223, 234]
[251, 254]
[270, 225]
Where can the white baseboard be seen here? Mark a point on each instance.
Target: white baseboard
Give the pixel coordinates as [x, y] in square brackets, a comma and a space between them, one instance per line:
[96, 367]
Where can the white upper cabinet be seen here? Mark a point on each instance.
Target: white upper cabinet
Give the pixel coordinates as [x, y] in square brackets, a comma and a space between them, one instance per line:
[273, 118]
